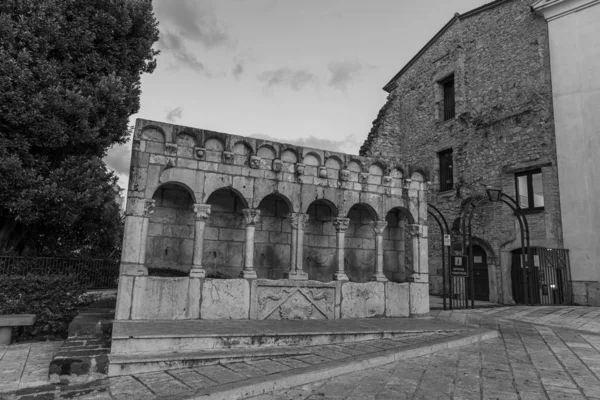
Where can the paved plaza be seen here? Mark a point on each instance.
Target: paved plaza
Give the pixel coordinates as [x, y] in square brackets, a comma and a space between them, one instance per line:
[541, 353]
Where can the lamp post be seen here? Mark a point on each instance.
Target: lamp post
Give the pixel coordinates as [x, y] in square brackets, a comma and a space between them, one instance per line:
[496, 195]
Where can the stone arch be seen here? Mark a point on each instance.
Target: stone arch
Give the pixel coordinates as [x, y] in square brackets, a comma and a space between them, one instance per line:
[267, 152]
[397, 254]
[186, 139]
[273, 237]
[153, 134]
[319, 240]
[397, 172]
[233, 190]
[181, 177]
[418, 176]
[312, 159]
[333, 162]
[360, 243]
[355, 165]
[289, 156]
[169, 242]
[242, 148]
[214, 144]
[224, 234]
[489, 250]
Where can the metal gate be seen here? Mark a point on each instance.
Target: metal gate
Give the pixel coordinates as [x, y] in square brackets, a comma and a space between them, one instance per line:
[546, 280]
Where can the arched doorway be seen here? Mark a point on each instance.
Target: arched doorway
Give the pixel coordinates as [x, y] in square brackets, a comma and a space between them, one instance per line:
[481, 281]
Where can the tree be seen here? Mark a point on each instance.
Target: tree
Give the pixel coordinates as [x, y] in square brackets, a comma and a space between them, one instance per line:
[69, 80]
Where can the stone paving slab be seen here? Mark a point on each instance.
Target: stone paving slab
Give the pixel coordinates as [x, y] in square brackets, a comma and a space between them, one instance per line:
[230, 381]
[24, 365]
[532, 359]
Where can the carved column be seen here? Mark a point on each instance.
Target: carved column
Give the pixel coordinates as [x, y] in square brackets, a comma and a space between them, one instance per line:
[252, 217]
[401, 249]
[149, 206]
[420, 255]
[378, 227]
[201, 215]
[297, 223]
[341, 225]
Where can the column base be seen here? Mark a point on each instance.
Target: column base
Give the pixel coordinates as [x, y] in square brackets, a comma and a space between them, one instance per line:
[197, 272]
[340, 277]
[379, 278]
[248, 274]
[297, 275]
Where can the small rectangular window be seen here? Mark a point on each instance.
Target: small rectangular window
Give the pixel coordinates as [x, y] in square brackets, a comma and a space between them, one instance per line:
[446, 172]
[530, 191]
[448, 88]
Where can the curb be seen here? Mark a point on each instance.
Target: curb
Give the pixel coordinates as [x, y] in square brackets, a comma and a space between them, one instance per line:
[314, 373]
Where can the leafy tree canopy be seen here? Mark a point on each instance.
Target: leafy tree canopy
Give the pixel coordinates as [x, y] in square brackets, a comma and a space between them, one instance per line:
[69, 80]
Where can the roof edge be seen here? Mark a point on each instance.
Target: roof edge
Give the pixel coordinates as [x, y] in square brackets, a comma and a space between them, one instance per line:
[391, 85]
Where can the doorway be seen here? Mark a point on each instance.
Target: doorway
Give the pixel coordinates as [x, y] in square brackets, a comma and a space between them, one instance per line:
[481, 281]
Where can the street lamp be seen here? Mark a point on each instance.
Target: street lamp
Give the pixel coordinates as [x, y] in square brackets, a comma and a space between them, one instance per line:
[494, 194]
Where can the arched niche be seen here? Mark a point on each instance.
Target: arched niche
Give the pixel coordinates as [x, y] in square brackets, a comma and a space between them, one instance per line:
[225, 234]
[375, 174]
[333, 163]
[360, 243]
[289, 156]
[214, 144]
[319, 241]
[266, 152]
[272, 237]
[312, 159]
[242, 149]
[170, 240]
[153, 134]
[417, 176]
[397, 245]
[186, 140]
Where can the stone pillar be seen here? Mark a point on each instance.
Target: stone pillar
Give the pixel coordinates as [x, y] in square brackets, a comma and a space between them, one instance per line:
[297, 223]
[420, 252]
[400, 274]
[378, 227]
[133, 256]
[341, 225]
[252, 216]
[201, 215]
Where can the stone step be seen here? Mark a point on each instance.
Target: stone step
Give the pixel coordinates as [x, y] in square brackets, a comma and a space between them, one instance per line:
[301, 376]
[148, 362]
[137, 337]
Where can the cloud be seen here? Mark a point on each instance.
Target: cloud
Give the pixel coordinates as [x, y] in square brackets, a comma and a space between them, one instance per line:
[118, 159]
[343, 73]
[238, 69]
[193, 20]
[174, 114]
[174, 45]
[349, 144]
[294, 79]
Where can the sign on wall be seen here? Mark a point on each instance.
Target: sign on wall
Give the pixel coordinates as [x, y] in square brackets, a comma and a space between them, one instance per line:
[459, 266]
[447, 239]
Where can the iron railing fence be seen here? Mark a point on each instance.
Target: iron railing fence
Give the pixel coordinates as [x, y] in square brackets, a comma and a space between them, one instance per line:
[93, 273]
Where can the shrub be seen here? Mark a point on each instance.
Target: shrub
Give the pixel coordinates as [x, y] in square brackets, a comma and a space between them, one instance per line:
[55, 301]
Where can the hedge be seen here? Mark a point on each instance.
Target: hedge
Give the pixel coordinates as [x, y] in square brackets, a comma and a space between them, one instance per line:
[55, 301]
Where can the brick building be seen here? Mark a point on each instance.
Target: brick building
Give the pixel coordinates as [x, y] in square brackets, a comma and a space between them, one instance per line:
[475, 106]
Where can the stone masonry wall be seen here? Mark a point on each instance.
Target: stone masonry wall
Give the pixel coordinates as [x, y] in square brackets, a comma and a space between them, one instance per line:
[504, 124]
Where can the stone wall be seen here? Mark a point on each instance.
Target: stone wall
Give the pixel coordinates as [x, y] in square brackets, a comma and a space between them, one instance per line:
[499, 57]
[211, 205]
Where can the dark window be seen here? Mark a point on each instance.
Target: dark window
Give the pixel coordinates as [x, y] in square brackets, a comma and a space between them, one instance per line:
[446, 176]
[448, 87]
[530, 192]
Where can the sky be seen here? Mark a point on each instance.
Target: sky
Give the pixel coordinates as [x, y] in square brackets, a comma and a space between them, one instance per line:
[305, 72]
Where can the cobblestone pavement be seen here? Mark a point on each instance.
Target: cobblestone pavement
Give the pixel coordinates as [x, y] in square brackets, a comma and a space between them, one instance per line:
[527, 362]
[25, 365]
[542, 353]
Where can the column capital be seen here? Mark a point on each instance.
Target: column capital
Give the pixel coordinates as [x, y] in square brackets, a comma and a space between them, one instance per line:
[341, 224]
[415, 230]
[149, 206]
[252, 216]
[378, 227]
[201, 212]
[298, 220]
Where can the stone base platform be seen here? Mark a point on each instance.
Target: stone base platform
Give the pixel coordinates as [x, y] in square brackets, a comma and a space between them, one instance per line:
[144, 346]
